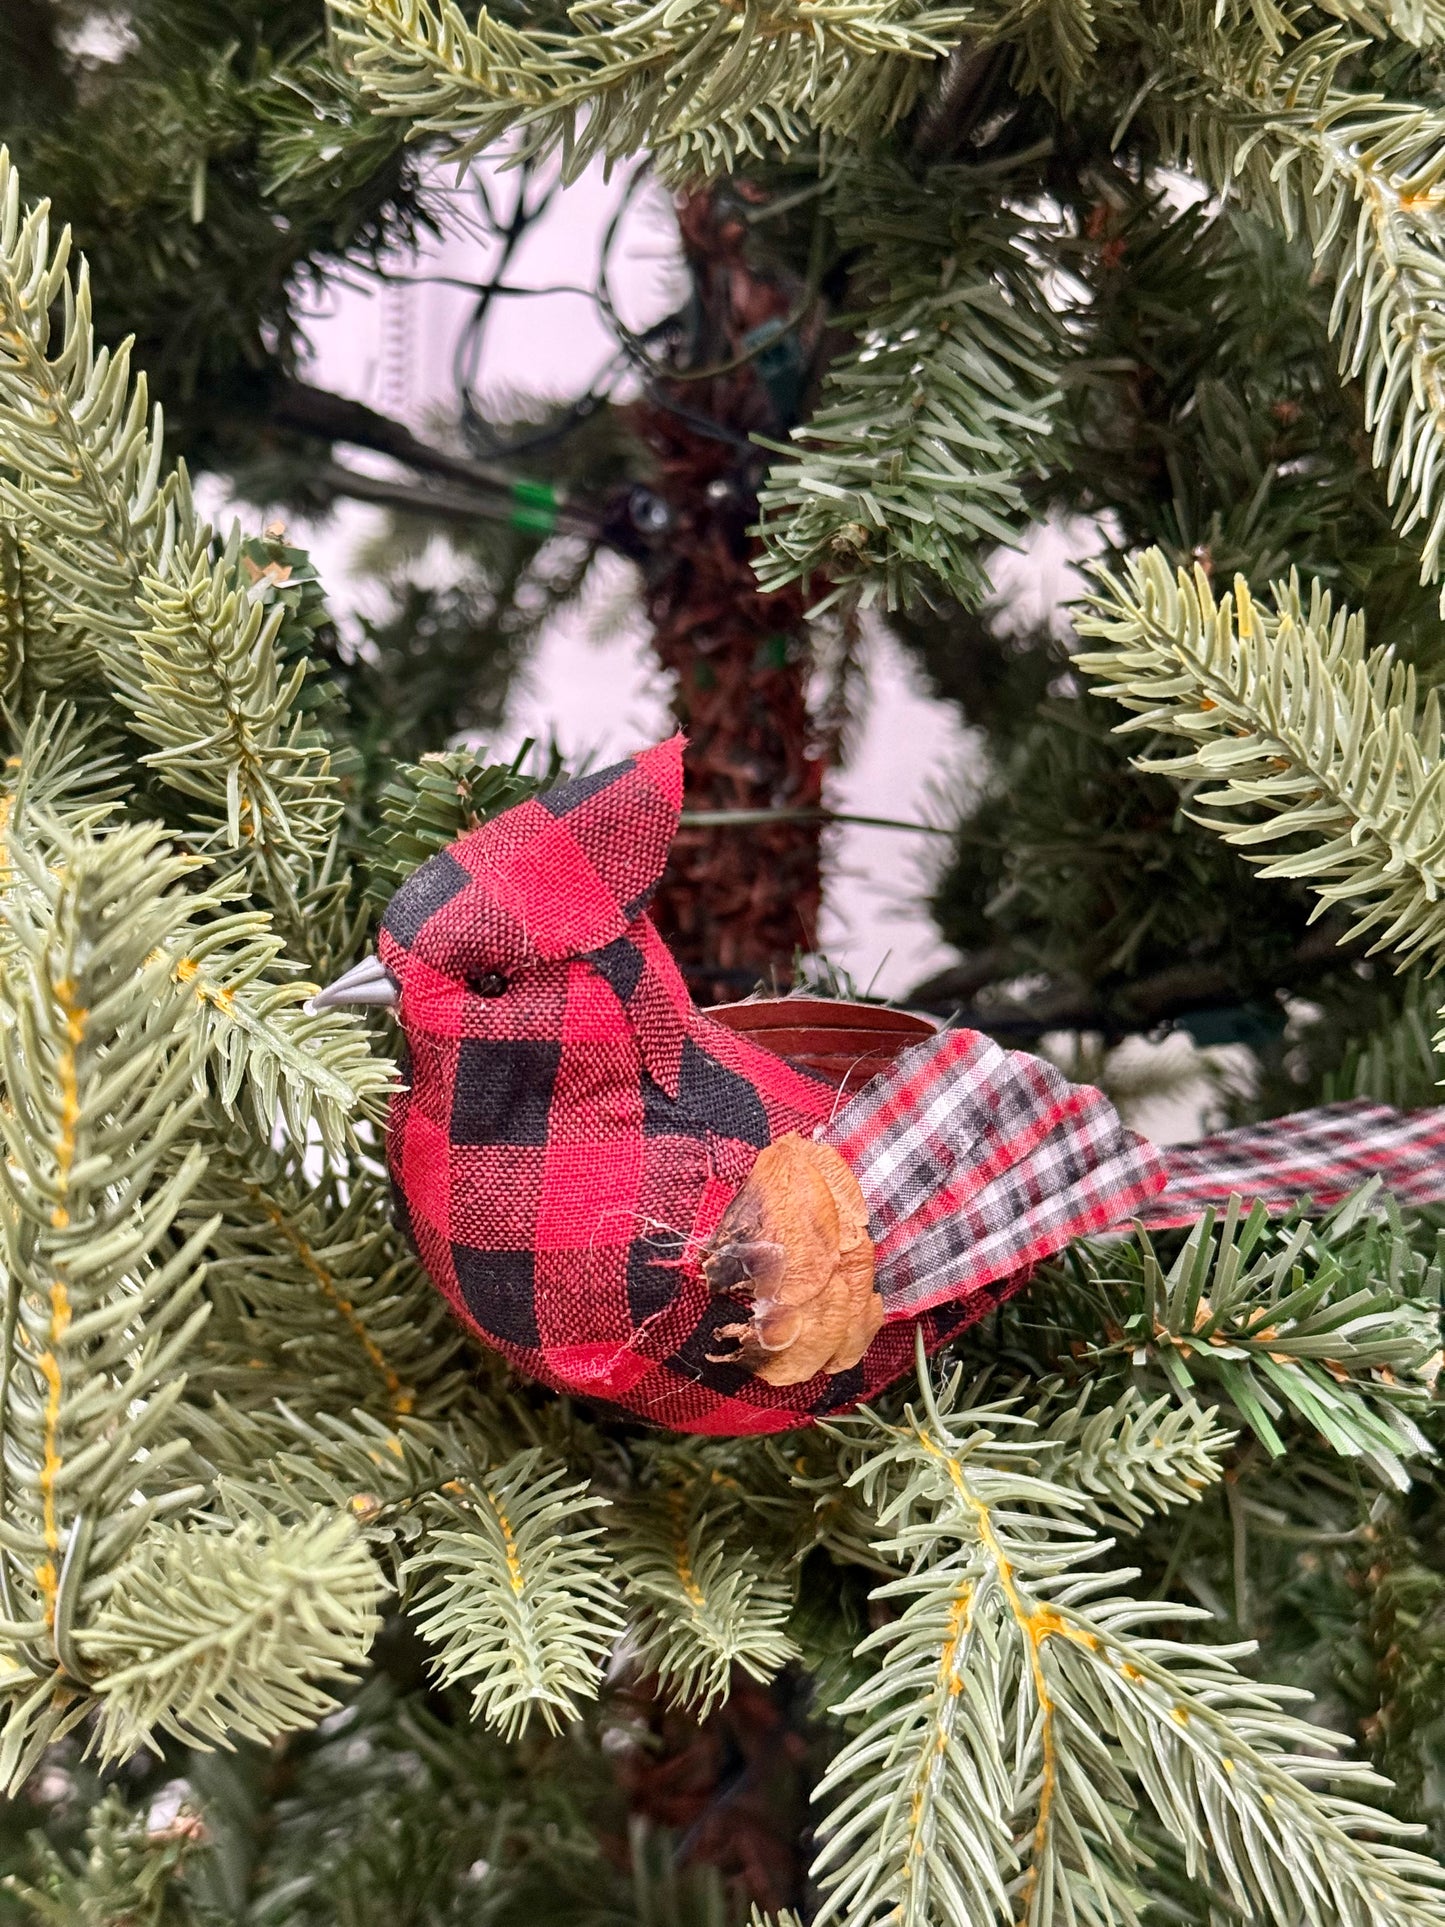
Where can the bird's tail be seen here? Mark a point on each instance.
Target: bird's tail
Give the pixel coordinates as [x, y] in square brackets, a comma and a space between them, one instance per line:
[1323, 1155]
[977, 1162]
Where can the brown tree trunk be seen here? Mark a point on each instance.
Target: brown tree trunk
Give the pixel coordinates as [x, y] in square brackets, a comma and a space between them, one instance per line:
[737, 902]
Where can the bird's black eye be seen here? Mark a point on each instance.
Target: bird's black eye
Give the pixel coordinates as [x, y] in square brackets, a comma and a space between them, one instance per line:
[491, 983]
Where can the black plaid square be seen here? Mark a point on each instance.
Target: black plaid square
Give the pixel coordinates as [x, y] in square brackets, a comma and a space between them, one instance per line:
[499, 1290]
[728, 1104]
[620, 964]
[654, 1273]
[840, 1391]
[426, 891]
[401, 1212]
[662, 1116]
[567, 797]
[503, 1090]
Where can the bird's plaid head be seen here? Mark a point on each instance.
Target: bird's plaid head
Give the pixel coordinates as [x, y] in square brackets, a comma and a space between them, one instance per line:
[563, 874]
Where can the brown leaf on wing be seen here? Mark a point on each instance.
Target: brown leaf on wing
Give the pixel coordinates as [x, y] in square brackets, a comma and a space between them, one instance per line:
[795, 1241]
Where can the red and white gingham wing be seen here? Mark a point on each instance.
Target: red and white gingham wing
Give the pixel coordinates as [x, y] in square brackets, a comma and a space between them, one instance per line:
[977, 1162]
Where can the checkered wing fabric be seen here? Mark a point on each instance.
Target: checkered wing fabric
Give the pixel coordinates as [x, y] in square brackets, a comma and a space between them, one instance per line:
[977, 1162]
[1322, 1155]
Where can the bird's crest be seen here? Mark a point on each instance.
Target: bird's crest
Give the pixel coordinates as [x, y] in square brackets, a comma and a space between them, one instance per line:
[557, 876]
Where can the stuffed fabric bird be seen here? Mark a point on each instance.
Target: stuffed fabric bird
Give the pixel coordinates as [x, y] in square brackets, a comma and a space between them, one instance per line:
[634, 1204]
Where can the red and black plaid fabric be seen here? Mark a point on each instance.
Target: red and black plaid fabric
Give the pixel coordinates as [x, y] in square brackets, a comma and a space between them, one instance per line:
[1320, 1155]
[572, 1130]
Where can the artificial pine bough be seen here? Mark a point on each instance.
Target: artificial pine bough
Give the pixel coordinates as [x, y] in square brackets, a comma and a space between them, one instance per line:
[242, 1440]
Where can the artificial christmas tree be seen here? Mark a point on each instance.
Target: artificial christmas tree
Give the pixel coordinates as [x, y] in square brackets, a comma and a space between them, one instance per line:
[218, 172]
[258, 1487]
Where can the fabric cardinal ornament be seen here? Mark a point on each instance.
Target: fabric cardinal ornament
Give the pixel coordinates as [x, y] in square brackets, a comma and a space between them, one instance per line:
[635, 1204]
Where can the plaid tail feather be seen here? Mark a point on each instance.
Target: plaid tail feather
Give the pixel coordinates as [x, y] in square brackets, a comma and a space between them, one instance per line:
[977, 1162]
[1322, 1155]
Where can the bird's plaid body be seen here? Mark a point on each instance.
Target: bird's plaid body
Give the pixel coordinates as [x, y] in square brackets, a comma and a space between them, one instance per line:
[561, 1152]
[571, 1129]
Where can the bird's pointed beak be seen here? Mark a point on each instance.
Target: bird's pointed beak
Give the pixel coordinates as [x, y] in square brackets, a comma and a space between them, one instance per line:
[369, 982]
